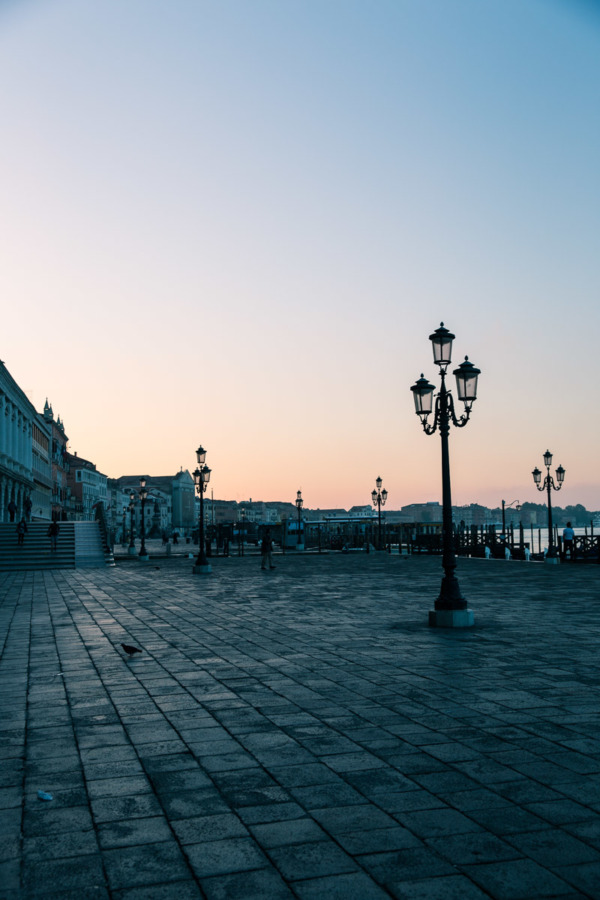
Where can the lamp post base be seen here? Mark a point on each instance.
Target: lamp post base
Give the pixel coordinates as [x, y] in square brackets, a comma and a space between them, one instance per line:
[132, 551]
[143, 557]
[300, 547]
[553, 560]
[204, 569]
[451, 618]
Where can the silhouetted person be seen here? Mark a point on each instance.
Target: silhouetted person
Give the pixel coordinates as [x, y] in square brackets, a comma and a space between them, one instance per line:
[53, 530]
[266, 550]
[27, 508]
[12, 509]
[568, 541]
[21, 531]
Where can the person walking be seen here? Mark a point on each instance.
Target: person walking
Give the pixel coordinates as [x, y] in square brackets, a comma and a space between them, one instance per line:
[12, 509]
[266, 551]
[27, 504]
[21, 531]
[53, 531]
[568, 542]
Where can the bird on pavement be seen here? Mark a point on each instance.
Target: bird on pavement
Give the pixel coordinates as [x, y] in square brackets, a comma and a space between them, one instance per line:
[129, 650]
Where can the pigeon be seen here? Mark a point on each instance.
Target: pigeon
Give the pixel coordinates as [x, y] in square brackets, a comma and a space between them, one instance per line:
[129, 650]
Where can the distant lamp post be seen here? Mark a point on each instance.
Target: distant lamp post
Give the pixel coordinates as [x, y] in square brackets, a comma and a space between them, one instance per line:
[241, 530]
[549, 486]
[450, 607]
[143, 497]
[201, 479]
[506, 505]
[131, 549]
[299, 505]
[379, 498]
[124, 537]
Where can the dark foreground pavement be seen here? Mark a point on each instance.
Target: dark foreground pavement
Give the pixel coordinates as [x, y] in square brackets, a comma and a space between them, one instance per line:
[301, 733]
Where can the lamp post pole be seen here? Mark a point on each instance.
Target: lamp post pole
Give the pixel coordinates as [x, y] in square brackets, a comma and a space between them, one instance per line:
[201, 479]
[143, 497]
[379, 498]
[131, 549]
[123, 537]
[299, 505]
[242, 531]
[549, 486]
[450, 607]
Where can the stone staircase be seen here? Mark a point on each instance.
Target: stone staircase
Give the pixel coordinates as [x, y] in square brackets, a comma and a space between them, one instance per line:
[79, 545]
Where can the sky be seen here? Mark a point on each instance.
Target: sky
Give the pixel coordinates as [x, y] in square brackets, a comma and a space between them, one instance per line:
[236, 223]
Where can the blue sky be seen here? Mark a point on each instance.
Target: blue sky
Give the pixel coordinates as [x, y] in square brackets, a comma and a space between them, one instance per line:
[237, 223]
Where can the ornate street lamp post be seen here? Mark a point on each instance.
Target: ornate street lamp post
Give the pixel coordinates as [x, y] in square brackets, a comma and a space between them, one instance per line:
[450, 607]
[299, 505]
[131, 549]
[143, 497]
[379, 498]
[549, 486]
[506, 505]
[201, 479]
[123, 536]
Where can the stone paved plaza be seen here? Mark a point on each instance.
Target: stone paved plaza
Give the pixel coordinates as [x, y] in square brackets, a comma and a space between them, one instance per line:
[301, 733]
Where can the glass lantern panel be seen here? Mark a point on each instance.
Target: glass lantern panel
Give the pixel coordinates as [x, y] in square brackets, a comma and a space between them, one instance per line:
[441, 341]
[423, 395]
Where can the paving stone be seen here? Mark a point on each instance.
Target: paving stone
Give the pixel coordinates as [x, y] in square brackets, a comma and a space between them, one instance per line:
[225, 856]
[449, 887]
[59, 846]
[356, 886]
[133, 832]
[521, 879]
[294, 831]
[433, 823]
[461, 849]
[553, 848]
[345, 819]
[177, 890]
[584, 877]
[560, 812]
[311, 860]
[117, 787]
[322, 795]
[418, 862]
[270, 812]
[55, 821]
[209, 828]
[117, 809]
[77, 873]
[255, 885]
[144, 865]
[508, 820]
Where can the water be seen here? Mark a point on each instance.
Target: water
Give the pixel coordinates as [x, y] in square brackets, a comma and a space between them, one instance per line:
[539, 542]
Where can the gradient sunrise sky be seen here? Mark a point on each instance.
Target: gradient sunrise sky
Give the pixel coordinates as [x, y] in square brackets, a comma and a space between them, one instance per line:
[236, 223]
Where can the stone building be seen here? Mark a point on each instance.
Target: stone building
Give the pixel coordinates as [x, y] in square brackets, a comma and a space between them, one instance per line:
[87, 486]
[61, 495]
[169, 507]
[17, 418]
[41, 494]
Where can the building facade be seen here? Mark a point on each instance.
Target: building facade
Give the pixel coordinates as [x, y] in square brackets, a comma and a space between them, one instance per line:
[17, 417]
[59, 461]
[87, 487]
